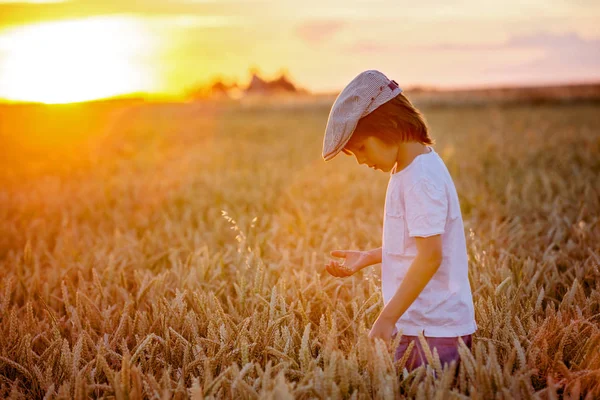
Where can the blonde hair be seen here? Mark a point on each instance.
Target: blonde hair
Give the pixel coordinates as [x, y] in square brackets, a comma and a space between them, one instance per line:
[393, 121]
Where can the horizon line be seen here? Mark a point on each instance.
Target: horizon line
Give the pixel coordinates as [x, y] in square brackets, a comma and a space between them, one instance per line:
[174, 96]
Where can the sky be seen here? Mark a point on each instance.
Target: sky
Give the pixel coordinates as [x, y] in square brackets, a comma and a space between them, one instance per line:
[60, 51]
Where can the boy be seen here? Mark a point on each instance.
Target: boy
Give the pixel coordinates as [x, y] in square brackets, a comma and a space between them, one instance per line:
[424, 272]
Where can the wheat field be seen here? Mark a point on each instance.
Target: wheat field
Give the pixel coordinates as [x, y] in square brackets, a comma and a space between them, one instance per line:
[177, 251]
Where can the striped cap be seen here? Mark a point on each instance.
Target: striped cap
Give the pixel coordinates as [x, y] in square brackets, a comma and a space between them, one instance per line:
[367, 91]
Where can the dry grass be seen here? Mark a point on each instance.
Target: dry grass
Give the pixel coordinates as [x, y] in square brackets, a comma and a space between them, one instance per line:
[176, 252]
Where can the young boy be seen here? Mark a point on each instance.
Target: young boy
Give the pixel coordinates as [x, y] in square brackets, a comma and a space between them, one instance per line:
[423, 257]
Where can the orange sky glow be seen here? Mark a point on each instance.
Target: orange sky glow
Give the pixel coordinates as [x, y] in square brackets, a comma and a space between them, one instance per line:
[68, 51]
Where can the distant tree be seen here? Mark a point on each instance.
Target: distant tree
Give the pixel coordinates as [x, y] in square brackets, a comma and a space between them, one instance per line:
[257, 85]
[282, 84]
[219, 88]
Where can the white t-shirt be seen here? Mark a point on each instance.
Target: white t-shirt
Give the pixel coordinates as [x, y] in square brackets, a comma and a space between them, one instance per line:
[421, 200]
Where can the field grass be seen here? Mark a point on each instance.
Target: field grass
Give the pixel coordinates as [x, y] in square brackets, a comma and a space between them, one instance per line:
[175, 251]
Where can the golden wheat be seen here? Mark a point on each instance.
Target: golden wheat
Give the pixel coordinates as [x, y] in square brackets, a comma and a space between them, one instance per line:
[185, 260]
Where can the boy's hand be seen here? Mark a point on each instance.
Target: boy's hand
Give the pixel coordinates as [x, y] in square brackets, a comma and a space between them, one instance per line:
[383, 328]
[354, 261]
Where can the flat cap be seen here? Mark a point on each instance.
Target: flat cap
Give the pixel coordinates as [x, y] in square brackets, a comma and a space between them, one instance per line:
[367, 91]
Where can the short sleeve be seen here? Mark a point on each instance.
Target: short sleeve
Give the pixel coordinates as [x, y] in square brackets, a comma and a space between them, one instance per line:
[426, 208]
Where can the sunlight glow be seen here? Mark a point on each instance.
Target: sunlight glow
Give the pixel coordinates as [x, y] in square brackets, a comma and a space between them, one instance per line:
[31, 1]
[76, 60]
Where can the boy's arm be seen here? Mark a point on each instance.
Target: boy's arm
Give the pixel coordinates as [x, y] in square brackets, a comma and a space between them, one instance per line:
[373, 256]
[420, 272]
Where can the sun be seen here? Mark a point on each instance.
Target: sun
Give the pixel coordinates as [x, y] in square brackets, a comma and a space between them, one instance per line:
[75, 60]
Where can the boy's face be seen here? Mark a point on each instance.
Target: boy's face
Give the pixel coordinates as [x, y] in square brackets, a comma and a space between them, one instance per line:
[373, 152]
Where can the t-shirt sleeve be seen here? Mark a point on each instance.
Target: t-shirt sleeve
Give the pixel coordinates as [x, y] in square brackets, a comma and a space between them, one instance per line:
[426, 208]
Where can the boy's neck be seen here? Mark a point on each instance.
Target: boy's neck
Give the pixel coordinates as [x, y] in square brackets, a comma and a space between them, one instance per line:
[407, 152]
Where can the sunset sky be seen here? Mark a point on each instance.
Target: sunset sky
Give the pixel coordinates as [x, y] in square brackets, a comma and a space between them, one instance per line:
[61, 51]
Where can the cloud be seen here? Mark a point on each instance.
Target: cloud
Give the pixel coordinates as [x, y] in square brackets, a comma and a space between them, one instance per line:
[542, 41]
[318, 32]
[534, 58]
[568, 56]
[369, 47]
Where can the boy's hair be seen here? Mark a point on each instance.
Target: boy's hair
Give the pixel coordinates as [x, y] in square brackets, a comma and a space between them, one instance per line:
[393, 121]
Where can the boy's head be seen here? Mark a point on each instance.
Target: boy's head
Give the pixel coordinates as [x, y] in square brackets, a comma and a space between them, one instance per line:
[371, 118]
